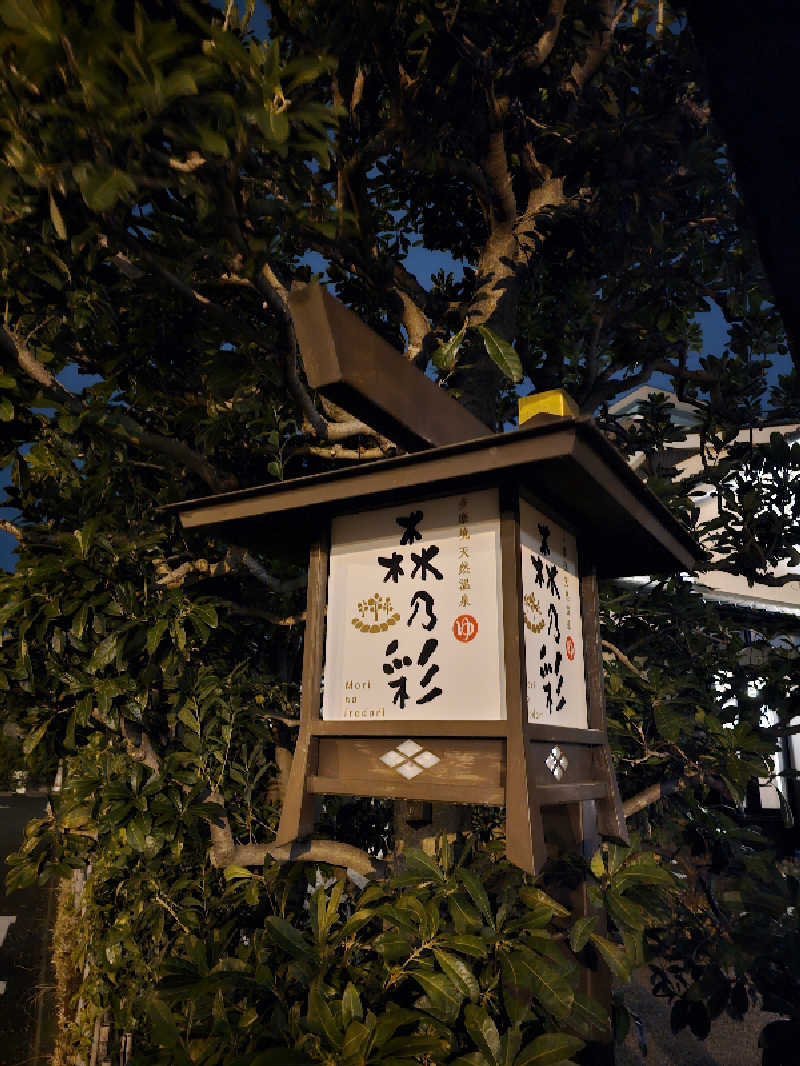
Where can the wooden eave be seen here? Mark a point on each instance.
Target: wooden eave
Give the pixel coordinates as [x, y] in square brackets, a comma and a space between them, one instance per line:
[566, 464]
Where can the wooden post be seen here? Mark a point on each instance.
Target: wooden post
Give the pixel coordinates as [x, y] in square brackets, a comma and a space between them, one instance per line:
[297, 815]
[525, 845]
[610, 817]
[572, 830]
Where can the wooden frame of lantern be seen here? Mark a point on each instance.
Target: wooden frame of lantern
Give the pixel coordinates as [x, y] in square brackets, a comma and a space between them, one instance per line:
[568, 470]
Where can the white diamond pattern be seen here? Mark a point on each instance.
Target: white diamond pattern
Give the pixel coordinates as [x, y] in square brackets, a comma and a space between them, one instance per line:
[557, 763]
[409, 770]
[409, 748]
[392, 758]
[408, 759]
[427, 759]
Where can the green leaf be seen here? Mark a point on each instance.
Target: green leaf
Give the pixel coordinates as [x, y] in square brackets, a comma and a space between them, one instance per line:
[22, 876]
[388, 1023]
[472, 1058]
[445, 356]
[625, 913]
[510, 1043]
[76, 818]
[614, 957]
[424, 865]
[280, 1056]
[79, 621]
[103, 188]
[211, 141]
[103, 653]
[463, 913]
[588, 1017]
[356, 1042]
[467, 944]
[355, 922]
[443, 994]
[236, 873]
[549, 1049]
[523, 969]
[287, 937]
[180, 83]
[644, 870]
[459, 973]
[316, 912]
[334, 900]
[580, 931]
[154, 635]
[535, 897]
[32, 739]
[502, 354]
[57, 220]
[483, 1031]
[278, 125]
[136, 836]
[165, 1031]
[394, 946]
[478, 893]
[206, 613]
[189, 719]
[6, 381]
[597, 866]
[320, 1018]
[6, 410]
[351, 1005]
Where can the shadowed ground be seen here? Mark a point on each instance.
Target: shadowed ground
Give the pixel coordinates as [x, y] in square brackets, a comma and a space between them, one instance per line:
[730, 1043]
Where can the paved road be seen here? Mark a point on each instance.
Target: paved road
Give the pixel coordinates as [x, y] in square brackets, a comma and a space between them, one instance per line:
[24, 942]
[730, 1043]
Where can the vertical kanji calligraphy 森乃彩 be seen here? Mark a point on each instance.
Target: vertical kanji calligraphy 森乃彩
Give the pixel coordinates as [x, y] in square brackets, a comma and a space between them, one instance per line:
[554, 646]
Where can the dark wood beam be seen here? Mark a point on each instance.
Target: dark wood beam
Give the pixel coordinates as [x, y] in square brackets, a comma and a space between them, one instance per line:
[352, 365]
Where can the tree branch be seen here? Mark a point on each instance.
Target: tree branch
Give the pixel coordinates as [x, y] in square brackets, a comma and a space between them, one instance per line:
[139, 746]
[605, 387]
[623, 658]
[343, 430]
[237, 326]
[498, 176]
[648, 796]
[17, 350]
[224, 851]
[782, 730]
[236, 559]
[113, 421]
[533, 58]
[15, 531]
[337, 451]
[417, 324]
[268, 616]
[582, 73]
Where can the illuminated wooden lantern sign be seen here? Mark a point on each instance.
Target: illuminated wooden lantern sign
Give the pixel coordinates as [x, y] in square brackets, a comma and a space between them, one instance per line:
[452, 648]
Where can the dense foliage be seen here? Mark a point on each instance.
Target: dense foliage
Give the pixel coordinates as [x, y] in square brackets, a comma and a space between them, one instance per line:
[167, 174]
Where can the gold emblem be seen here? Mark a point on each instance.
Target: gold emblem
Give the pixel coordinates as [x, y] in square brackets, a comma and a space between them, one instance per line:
[533, 606]
[376, 614]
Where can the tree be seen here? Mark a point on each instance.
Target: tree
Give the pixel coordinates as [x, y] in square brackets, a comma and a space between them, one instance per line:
[166, 176]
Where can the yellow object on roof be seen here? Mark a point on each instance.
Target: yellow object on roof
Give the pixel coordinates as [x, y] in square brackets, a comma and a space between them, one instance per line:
[552, 402]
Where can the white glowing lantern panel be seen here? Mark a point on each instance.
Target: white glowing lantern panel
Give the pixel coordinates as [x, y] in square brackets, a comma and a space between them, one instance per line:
[551, 609]
[414, 613]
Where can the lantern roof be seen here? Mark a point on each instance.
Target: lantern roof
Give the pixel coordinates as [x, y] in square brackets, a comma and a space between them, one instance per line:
[566, 465]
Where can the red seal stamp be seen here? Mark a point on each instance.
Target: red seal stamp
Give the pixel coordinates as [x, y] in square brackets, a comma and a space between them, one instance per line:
[465, 628]
[570, 648]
